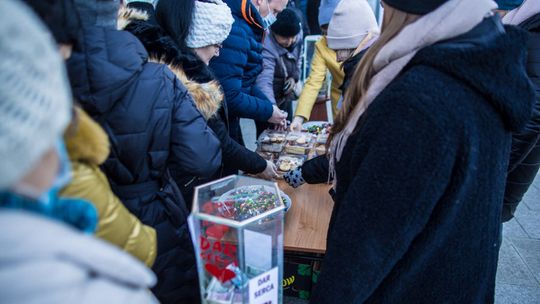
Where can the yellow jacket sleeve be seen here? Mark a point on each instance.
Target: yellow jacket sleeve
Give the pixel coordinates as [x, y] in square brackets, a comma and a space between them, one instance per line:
[314, 82]
[116, 224]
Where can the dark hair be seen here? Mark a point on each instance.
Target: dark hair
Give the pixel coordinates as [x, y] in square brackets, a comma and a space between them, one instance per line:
[175, 16]
[61, 18]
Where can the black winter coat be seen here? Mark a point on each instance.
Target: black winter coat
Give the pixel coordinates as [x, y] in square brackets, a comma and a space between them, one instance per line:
[239, 64]
[525, 156]
[206, 92]
[421, 181]
[154, 128]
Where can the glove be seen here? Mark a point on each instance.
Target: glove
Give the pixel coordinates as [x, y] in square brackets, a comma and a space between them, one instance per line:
[294, 178]
[270, 172]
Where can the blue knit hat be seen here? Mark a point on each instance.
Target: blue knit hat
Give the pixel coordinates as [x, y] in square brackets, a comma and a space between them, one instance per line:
[417, 7]
[326, 10]
[508, 5]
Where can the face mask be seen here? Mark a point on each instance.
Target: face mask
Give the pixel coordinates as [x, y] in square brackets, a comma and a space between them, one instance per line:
[269, 19]
[75, 212]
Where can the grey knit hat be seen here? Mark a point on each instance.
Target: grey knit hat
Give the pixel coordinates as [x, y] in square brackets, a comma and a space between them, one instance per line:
[102, 13]
[35, 100]
[350, 24]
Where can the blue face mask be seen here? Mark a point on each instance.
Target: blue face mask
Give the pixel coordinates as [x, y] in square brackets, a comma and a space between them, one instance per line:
[269, 19]
[76, 212]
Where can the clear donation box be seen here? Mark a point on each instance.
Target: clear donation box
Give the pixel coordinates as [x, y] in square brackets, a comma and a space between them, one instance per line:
[237, 230]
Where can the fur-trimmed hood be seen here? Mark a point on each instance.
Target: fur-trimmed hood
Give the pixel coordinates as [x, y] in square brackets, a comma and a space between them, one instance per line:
[86, 141]
[187, 67]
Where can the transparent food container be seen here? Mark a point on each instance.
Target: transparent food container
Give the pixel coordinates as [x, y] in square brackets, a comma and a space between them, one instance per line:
[237, 230]
[272, 141]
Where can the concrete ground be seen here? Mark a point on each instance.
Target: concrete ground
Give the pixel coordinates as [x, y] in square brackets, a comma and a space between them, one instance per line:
[518, 275]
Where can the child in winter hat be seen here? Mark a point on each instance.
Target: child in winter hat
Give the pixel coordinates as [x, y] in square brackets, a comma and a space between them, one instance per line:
[287, 24]
[353, 21]
[35, 99]
[211, 24]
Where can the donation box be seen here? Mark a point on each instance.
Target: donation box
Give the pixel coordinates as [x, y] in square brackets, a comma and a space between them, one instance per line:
[237, 229]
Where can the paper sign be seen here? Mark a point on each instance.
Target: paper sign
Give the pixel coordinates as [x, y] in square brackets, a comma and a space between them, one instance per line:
[263, 289]
[258, 250]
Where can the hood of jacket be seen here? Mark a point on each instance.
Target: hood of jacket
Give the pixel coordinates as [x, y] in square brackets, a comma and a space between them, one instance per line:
[188, 68]
[105, 66]
[479, 55]
[86, 141]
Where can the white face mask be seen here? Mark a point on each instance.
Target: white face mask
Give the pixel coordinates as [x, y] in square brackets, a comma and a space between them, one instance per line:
[270, 18]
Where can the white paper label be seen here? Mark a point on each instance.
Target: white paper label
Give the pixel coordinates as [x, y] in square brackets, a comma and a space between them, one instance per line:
[258, 249]
[263, 289]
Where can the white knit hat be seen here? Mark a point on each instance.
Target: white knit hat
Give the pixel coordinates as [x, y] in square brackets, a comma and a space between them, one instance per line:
[34, 93]
[350, 24]
[212, 23]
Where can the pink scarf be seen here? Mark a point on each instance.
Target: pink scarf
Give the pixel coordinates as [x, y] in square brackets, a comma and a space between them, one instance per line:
[452, 19]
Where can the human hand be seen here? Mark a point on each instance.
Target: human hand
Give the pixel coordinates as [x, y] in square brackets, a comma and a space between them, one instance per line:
[270, 172]
[296, 124]
[278, 117]
[289, 86]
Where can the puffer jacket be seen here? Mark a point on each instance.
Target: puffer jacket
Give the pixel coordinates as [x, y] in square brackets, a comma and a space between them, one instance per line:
[205, 91]
[155, 132]
[279, 64]
[239, 64]
[525, 156]
[88, 148]
[46, 261]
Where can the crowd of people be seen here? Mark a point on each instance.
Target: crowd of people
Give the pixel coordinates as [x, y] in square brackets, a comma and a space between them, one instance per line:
[112, 112]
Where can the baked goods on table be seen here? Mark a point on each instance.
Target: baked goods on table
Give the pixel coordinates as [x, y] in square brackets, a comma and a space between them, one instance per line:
[272, 141]
[289, 162]
[299, 143]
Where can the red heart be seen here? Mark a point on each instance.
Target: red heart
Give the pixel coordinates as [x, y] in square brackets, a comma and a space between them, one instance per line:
[223, 275]
[217, 231]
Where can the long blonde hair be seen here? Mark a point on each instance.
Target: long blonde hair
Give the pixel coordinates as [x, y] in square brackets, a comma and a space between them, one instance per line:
[394, 21]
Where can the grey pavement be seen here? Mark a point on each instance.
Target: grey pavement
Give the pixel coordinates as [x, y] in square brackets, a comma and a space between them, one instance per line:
[518, 274]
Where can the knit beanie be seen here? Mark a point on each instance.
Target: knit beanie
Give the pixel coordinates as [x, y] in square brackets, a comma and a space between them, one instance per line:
[351, 22]
[508, 5]
[35, 99]
[417, 7]
[287, 24]
[60, 17]
[102, 13]
[326, 10]
[212, 23]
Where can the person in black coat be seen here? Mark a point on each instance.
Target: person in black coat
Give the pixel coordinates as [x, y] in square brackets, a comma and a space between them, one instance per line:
[525, 156]
[189, 63]
[420, 175]
[155, 130]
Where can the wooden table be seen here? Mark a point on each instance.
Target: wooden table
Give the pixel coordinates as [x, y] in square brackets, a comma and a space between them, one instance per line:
[306, 223]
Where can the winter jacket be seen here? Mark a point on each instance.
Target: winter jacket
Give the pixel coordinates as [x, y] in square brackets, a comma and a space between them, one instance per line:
[88, 148]
[279, 64]
[420, 189]
[46, 261]
[323, 59]
[525, 156]
[238, 65]
[155, 132]
[206, 93]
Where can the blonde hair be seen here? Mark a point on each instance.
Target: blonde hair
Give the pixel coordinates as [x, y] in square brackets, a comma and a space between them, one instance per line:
[394, 21]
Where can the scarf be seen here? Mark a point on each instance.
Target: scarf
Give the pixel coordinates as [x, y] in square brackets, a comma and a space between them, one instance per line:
[527, 9]
[450, 20]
